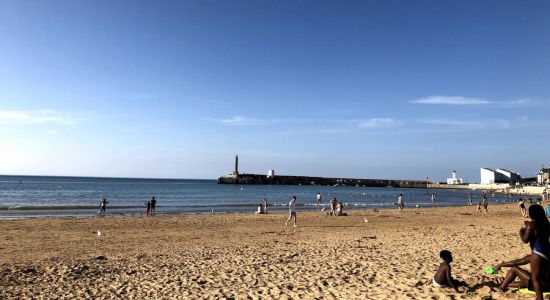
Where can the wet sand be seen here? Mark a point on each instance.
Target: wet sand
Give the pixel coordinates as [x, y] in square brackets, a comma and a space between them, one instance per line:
[393, 256]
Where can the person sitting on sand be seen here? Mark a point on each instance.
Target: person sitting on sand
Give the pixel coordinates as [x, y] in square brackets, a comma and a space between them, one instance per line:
[340, 209]
[260, 209]
[443, 277]
[537, 233]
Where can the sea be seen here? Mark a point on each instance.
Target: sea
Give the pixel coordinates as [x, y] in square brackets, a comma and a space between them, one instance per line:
[50, 196]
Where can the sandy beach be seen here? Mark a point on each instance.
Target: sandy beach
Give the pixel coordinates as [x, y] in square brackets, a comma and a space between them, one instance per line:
[394, 255]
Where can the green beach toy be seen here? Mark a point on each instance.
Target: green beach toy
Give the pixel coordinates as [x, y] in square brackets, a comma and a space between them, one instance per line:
[490, 270]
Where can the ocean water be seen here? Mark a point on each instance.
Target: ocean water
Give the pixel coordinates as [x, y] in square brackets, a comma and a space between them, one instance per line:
[45, 196]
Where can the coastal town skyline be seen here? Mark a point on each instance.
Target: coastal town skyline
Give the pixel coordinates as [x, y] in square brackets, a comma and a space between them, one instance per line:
[358, 89]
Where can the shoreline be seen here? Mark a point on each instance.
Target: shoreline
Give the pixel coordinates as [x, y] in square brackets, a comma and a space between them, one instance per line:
[240, 255]
[91, 212]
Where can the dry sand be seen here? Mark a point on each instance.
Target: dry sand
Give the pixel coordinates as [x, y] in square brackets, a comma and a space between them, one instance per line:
[393, 256]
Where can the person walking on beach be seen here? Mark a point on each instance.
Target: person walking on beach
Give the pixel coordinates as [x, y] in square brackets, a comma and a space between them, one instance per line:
[400, 202]
[292, 210]
[470, 199]
[319, 198]
[153, 206]
[103, 207]
[485, 203]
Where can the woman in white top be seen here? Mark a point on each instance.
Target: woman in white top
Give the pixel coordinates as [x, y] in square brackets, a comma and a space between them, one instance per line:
[292, 210]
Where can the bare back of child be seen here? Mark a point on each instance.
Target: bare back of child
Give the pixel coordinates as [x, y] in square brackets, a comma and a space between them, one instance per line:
[443, 277]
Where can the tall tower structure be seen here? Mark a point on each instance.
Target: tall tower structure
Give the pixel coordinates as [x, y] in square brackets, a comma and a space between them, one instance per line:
[236, 172]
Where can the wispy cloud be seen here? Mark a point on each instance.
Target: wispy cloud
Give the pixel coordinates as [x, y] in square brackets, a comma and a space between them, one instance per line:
[459, 100]
[377, 123]
[244, 121]
[451, 122]
[451, 100]
[34, 117]
[522, 103]
[518, 122]
[311, 132]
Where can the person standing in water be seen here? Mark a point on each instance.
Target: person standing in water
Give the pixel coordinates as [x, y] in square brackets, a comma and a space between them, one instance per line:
[148, 204]
[319, 198]
[153, 206]
[470, 199]
[433, 198]
[103, 207]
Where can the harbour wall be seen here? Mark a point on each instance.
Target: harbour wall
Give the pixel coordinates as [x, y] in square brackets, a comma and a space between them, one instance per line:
[307, 180]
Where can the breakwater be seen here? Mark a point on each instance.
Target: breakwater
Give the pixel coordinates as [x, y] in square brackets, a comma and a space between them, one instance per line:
[307, 180]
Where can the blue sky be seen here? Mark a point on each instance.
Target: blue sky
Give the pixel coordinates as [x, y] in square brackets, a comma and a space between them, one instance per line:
[368, 89]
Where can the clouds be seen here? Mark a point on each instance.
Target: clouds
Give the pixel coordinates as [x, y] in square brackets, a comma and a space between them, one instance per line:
[451, 100]
[467, 101]
[43, 116]
[378, 123]
[244, 121]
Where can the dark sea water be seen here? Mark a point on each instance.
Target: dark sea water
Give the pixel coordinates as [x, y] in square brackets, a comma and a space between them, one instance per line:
[45, 196]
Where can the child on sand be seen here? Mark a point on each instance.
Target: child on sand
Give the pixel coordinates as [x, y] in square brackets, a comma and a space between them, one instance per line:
[443, 277]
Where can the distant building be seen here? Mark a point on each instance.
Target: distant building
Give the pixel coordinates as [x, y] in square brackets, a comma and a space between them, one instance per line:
[489, 176]
[544, 176]
[270, 173]
[512, 177]
[454, 180]
[235, 173]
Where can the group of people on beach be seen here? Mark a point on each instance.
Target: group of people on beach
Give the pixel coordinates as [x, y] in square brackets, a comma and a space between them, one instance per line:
[535, 232]
[151, 207]
[336, 208]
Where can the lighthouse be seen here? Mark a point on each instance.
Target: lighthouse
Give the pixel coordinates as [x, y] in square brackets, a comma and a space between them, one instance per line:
[454, 179]
[236, 172]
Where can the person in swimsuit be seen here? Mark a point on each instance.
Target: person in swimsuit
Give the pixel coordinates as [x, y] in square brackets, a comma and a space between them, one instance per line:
[443, 277]
[521, 205]
[537, 233]
[485, 203]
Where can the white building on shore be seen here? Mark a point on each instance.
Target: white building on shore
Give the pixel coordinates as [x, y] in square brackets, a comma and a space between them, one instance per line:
[454, 180]
[489, 176]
